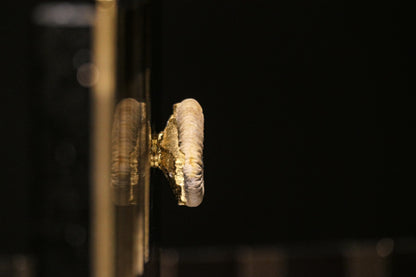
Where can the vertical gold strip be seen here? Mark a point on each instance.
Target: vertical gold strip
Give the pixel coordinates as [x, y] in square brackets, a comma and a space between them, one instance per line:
[147, 172]
[102, 215]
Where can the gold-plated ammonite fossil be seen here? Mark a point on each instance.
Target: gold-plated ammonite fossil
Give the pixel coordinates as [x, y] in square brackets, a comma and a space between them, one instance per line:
[177, 151]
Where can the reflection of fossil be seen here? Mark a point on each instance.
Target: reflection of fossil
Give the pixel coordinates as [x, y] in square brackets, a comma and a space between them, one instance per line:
[128, 125]
[177, 151]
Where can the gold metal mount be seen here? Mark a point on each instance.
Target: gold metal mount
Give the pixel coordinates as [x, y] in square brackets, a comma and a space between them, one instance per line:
[166, 155]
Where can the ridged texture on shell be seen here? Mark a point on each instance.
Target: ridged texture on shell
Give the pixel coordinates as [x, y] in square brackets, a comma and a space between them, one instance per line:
[124, 153]
[190, 121]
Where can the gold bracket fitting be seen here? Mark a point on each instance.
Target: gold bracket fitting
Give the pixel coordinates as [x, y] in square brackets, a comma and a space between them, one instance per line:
[166, 155]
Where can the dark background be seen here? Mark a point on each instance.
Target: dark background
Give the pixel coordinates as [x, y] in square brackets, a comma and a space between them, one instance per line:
[308, 125]
[308, 118]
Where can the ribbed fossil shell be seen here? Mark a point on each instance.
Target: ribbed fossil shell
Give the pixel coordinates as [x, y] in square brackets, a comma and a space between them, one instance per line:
[190, 122]
[178, 152]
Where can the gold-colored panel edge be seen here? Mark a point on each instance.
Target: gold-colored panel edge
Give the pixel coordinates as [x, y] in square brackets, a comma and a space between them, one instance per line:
[103, 92]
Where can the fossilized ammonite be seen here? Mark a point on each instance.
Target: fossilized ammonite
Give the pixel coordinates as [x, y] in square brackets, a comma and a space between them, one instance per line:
[177, 151]
[190, 122]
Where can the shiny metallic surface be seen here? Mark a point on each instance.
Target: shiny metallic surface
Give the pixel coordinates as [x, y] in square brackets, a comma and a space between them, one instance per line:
[103, 94]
